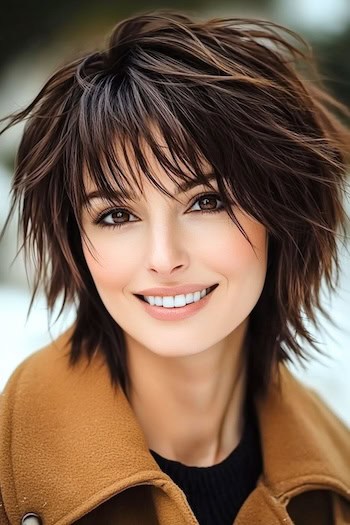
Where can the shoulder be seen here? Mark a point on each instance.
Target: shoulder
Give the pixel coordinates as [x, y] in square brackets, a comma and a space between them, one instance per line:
[39, 369]
[312, 410]
[60, 426]
[45, 384]
[315, 420]
[26, 399]
[33, 385]
[46, 395]
[304, 443]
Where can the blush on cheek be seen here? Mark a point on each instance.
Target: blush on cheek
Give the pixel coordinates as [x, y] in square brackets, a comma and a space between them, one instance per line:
[110, 272]
[236, 254]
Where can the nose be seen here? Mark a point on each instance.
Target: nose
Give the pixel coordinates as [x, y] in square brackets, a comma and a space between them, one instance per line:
[167, 250]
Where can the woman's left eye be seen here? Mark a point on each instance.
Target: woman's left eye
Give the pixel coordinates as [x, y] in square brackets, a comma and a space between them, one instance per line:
[207, 197]
[107, 219]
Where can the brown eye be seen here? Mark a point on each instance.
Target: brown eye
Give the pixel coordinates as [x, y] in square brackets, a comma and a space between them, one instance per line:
[117, 215]
[208, 203]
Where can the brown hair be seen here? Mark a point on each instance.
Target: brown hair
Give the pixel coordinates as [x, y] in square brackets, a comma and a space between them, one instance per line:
[228, 90]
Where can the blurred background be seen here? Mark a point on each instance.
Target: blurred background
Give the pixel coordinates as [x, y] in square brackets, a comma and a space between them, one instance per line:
[37, 37]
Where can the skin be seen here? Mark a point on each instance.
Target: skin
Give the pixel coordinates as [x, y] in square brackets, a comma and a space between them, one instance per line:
[188, 377]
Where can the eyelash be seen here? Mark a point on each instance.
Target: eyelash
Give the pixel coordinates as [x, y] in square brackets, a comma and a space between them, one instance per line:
[99, 219]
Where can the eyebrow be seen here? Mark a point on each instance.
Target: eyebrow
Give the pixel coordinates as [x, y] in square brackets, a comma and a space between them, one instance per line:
[185, 186]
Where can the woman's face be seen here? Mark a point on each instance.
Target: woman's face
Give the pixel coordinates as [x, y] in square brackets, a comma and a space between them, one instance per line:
[164, 243]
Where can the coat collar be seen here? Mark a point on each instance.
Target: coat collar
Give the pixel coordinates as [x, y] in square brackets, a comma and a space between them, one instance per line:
[86, 444]
[303, 442]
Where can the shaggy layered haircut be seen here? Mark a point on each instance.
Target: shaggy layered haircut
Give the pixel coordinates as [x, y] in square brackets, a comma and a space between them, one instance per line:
[228, 90]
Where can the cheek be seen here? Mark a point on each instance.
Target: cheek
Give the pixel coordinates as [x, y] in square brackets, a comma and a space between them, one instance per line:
[243, 269]
[111, 269]
[236, 257]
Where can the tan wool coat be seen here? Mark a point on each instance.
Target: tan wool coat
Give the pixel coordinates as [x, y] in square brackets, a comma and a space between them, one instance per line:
[71, 451]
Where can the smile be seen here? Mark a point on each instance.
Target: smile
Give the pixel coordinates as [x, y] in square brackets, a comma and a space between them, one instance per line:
[178, 301]
[173, 313]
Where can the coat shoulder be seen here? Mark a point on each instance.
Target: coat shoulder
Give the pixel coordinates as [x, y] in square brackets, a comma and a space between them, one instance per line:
[308, 405]
[28, 390]
[38, 370]
[25, 394]
[302, 439]
[44, 360]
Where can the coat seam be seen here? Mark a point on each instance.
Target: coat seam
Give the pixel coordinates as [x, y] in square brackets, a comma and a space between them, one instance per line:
[272, 502]
[109, 493]
[324, 483]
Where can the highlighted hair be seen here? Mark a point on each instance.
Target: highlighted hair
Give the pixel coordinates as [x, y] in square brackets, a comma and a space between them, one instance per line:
[227, 90]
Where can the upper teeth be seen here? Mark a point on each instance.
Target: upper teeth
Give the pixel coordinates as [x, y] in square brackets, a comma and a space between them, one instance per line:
[171, 301]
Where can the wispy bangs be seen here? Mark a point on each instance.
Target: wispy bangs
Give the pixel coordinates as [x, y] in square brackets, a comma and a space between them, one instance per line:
[124, 123]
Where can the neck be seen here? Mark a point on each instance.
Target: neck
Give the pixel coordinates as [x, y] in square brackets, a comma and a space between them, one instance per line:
[191, 408]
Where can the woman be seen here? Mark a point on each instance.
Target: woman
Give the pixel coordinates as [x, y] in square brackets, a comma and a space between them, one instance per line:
[184, 188]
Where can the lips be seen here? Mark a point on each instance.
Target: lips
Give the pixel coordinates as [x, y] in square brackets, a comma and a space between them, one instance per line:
[164, 291]
[211, 288]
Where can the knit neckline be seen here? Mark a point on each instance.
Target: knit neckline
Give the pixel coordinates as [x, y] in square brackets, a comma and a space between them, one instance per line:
[240, 467]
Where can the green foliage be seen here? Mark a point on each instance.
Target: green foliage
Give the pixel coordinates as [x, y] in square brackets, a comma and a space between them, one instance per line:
[35, 24]
[333, 60]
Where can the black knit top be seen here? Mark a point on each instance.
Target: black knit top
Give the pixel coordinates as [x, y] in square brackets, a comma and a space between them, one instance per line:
[216, 493]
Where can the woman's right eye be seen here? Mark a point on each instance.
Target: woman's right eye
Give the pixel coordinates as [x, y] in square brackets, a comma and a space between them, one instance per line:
[110, 219]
